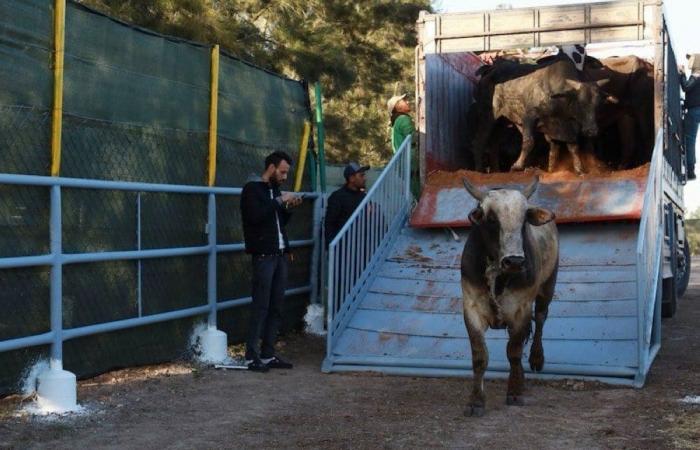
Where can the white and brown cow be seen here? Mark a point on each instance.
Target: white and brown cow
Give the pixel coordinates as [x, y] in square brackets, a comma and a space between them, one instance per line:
[509, 262]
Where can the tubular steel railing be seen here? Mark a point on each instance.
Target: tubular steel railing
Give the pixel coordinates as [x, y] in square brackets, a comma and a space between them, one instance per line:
[649, 253]
[57, 259]
[361, 243]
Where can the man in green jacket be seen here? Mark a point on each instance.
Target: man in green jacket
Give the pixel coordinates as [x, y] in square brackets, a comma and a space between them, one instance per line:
[402, 126]
[401, 122]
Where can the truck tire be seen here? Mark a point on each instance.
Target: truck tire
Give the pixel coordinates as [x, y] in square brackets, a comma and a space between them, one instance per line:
[683, 276]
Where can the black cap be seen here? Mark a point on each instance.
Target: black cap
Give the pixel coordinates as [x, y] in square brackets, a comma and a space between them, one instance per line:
[353, 168]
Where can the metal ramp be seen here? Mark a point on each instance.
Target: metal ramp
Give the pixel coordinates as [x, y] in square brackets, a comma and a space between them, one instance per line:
[404, 314]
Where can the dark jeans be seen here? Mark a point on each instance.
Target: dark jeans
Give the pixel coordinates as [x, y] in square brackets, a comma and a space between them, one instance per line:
[690, 125]
[269, 282]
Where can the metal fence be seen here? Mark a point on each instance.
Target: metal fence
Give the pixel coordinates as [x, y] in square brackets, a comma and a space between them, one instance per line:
[149, 138]
[57, 258]
[364, 239]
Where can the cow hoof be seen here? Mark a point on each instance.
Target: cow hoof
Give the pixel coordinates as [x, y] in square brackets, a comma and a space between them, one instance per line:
[514, 400]
[536, 364]
[516, 168]
[474, 411]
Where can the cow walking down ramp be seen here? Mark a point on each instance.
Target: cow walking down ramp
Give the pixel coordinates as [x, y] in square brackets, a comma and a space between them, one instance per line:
[509, 262]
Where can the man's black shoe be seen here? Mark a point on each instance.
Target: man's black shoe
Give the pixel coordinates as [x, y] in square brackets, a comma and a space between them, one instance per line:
[691, 175]
[277, 363]
[256, 365]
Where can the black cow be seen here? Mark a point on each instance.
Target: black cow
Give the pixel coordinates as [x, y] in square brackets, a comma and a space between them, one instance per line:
[549, 98]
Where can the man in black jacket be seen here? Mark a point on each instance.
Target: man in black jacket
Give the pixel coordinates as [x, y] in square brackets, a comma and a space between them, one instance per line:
[265, 212]
[343, 202]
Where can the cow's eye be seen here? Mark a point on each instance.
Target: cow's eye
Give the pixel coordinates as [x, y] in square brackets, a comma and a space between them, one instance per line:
[491, 218]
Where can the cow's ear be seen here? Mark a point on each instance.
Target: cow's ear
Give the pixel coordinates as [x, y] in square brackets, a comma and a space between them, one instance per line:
[539, 216]
[476, 216]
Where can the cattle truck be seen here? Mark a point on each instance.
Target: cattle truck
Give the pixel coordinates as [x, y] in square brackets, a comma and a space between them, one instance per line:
[623, 254]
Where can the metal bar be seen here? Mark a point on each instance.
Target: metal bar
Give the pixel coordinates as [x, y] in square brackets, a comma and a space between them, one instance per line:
[226, 304]
[315, 255]
[303, 147]
[56, 280]
[139, 263]
[162, 317]
[632, 23]
[26, 261]
[321, 136]
[82, 183]
[78, 258]
[59, 40]
[211, 263]
[504, 366]
[134, 322]
[24, 342]
[213, 113]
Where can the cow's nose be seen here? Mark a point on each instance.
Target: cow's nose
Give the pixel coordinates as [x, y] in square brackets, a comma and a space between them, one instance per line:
[512, 263]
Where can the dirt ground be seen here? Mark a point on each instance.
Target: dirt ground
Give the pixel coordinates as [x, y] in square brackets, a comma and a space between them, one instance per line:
[182, 406]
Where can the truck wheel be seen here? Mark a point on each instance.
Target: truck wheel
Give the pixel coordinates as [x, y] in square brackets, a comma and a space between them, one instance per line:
[683, 275]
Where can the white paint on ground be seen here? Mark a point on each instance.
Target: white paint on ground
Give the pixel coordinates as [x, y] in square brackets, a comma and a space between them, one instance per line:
[28, 382]
[313, 319]
[691, 399]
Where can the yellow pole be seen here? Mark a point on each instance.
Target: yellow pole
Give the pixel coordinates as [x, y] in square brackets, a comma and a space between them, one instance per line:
[213, 113]
[59, 37]
[302, 155]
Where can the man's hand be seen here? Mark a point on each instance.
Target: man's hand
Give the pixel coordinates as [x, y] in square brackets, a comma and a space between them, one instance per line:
[290, 199]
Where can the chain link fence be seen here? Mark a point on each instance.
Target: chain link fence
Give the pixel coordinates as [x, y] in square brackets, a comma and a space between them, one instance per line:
[136, 108]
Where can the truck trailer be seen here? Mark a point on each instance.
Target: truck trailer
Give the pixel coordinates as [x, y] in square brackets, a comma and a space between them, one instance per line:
[394, 303]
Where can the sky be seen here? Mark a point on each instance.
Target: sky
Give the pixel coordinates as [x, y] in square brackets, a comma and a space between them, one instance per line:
[682, 17]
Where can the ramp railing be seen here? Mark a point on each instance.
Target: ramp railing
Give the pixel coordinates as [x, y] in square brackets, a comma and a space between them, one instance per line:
[359, 246]
[649, 252]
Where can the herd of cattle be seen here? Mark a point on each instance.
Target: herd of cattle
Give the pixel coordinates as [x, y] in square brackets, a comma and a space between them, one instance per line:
[603, 107]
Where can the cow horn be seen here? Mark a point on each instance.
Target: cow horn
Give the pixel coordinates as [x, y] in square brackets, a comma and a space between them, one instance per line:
[473, 190]
[532, 187]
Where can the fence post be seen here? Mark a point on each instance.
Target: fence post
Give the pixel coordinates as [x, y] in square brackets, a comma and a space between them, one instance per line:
[213, 113]
[321, 137]
[213, 342]
[59, 28]
[57, 388]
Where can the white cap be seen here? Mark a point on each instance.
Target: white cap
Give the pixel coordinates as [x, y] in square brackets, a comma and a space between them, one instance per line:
[393, 101]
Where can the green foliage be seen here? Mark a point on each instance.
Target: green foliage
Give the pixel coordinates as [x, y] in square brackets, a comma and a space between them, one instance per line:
[361, 51]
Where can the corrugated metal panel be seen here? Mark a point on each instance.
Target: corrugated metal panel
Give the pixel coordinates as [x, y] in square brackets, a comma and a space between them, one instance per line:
[412, 314]
[448, 95]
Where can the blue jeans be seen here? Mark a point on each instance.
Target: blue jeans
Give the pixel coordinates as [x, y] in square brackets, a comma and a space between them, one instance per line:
[690, 126]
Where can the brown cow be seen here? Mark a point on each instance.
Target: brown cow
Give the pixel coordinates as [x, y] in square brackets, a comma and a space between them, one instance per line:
[509, 262]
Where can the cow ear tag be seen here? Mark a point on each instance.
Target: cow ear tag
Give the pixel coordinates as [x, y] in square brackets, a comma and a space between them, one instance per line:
[539, 216]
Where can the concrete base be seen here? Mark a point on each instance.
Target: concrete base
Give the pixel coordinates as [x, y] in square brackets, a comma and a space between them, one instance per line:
[213, 346]
[57, 391]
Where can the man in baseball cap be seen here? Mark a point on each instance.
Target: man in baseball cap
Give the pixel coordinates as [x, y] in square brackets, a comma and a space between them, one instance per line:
[343, 202]
[400, 121]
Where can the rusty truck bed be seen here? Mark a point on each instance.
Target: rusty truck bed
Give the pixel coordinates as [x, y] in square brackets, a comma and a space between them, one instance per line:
[603, 196]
